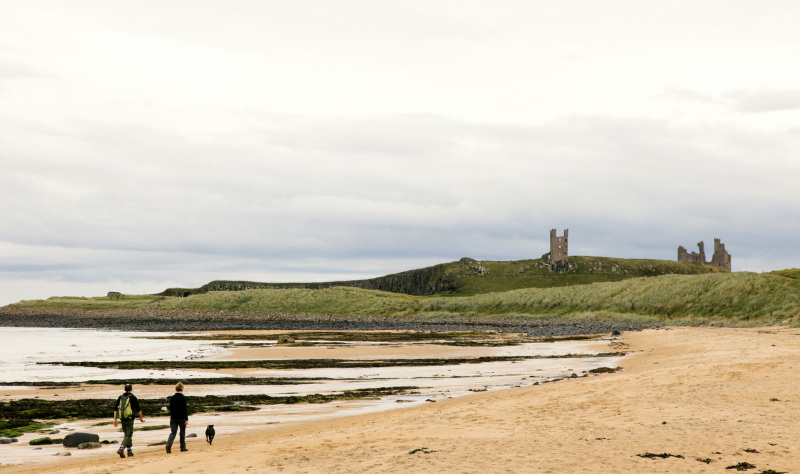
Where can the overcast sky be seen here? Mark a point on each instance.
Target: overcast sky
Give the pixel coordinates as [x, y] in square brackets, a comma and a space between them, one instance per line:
[151, 144]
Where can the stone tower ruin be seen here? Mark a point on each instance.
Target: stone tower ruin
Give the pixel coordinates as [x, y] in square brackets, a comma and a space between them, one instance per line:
[721, 257]
[558, 246]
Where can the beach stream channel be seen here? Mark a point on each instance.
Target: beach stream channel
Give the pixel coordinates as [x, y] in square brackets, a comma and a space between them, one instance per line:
[358, 371]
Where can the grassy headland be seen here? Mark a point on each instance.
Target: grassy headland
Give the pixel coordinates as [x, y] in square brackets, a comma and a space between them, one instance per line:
[591, 288]
[471, 277]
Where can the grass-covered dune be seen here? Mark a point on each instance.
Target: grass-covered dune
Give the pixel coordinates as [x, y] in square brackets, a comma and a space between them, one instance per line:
[740, 298]
[469, 277]
[731, 297]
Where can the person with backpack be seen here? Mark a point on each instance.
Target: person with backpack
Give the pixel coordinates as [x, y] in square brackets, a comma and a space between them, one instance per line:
[178, 417]
[127, 408]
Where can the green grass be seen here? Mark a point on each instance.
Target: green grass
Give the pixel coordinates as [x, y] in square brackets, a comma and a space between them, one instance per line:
[470, 277]
[733, 298]
[98, 302]
[742, 296]
[336, 300]
[679, 297]
[491, 276]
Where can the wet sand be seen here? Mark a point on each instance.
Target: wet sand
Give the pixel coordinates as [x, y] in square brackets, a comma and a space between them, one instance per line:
[699, 393]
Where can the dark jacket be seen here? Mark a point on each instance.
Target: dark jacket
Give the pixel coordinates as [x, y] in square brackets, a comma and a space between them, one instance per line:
[177, 407]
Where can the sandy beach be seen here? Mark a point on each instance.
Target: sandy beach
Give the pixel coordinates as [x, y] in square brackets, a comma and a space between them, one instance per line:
[714, 396]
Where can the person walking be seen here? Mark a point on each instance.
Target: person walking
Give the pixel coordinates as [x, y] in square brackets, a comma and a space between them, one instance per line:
[178, 417]
[127, 409]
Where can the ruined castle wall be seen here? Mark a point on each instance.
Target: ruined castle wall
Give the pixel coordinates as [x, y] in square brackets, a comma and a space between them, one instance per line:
[721, 257]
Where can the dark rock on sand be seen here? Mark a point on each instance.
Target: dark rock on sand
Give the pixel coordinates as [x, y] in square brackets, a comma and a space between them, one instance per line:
[8, 440]
[73, 440]
[193, 435]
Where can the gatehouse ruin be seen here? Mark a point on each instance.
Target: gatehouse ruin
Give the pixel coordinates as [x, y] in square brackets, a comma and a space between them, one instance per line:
[558, 247]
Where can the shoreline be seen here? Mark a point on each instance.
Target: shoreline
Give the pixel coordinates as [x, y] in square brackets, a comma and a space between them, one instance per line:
[714, 396]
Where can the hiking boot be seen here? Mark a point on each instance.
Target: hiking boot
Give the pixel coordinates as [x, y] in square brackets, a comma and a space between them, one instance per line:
[169, 449]
[121, 452]
[184, 449]
[130, 453]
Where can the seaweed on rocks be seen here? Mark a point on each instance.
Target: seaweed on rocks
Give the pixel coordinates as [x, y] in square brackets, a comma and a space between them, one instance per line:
[605, 370]
[44, 441]
[742, 466]
[45, 385]
[15, 428]
[421, 450]
[312, 363]
[650, 455]
[212, 381]
[337, 336]
[35, 408]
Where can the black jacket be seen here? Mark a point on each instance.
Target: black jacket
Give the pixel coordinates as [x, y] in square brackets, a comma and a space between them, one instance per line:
[177, 407]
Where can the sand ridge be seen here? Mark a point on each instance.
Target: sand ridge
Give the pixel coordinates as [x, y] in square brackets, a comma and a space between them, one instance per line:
[701, 393]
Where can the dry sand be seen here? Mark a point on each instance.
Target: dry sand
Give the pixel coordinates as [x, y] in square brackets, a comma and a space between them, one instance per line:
[703, 393]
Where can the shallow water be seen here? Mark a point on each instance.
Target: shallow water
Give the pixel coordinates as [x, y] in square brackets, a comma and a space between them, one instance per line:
[22, 348]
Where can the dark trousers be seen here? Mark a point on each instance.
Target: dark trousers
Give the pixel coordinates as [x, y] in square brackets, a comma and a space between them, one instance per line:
[127, 430]
[173, 426]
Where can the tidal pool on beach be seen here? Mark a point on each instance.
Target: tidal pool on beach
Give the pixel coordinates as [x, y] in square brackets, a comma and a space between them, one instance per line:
[22, 349]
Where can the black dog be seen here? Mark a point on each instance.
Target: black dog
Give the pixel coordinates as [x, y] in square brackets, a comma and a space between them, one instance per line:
[210, 433]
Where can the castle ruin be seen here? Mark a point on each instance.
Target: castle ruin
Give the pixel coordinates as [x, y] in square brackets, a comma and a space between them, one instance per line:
[558, 247]
[721, 257]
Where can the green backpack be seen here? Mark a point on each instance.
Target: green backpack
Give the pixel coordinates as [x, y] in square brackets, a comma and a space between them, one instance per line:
[125, 410]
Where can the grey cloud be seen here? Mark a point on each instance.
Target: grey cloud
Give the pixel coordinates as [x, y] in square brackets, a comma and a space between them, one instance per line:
[690, 96]
[742, 101]
[765, 101]
[270, 204]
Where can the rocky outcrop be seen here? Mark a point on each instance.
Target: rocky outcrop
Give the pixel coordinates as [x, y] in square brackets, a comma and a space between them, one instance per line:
[73, 440]
[421, 282]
